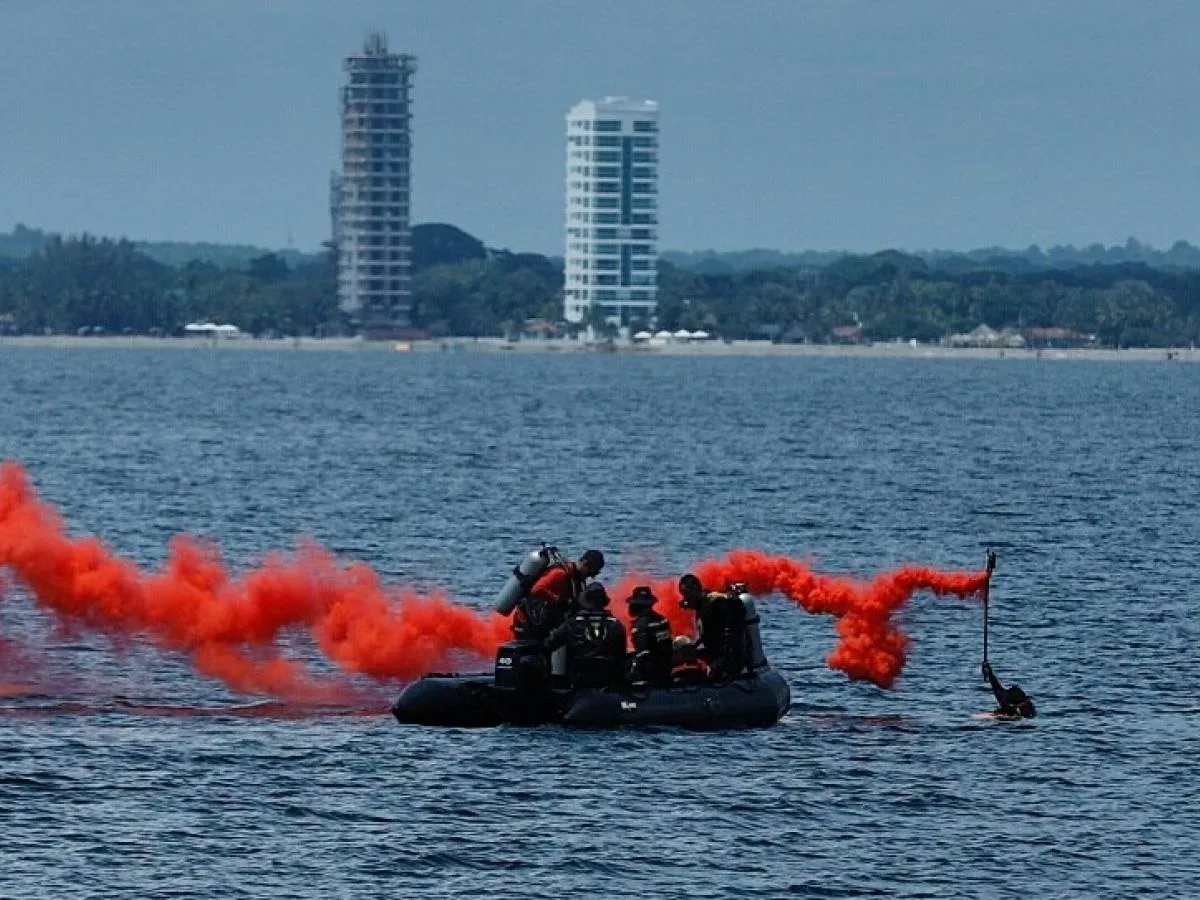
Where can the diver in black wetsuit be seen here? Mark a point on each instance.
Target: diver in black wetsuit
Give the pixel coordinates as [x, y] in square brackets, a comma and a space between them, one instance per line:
[1013, 702]
[722, 621]
[595, 641]
[651, 633]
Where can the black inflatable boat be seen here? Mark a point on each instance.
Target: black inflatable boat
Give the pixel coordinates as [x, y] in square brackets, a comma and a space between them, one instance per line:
[752, 700]
[522, 690]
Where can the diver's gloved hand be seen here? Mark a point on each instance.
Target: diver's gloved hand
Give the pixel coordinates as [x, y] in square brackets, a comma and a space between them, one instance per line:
[986, 670]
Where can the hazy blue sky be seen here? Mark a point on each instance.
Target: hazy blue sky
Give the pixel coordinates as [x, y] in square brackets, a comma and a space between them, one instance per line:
[787, 124]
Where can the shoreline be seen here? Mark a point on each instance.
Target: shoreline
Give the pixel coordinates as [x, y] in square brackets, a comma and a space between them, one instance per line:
[563, 346]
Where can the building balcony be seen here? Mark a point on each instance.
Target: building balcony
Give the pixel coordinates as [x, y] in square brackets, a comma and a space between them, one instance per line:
[377, 225]
[355, 128]
[374, 209]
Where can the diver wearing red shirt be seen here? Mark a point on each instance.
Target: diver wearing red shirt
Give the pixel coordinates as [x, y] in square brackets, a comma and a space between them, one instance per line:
[554, 596]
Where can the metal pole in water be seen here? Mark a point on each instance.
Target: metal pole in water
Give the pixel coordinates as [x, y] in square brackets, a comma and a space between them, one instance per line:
[991, 567]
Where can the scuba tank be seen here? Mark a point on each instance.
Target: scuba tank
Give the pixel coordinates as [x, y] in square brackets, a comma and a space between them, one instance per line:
[558, 662]
[523, 577]
[755, 658]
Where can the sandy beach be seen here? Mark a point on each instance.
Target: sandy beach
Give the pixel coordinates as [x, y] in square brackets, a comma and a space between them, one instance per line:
[500, 345]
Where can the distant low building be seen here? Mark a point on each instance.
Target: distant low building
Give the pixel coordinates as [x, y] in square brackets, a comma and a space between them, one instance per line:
[1058, 338]
[983, 336]
[211, 330]
[541, 328]
[847, 334]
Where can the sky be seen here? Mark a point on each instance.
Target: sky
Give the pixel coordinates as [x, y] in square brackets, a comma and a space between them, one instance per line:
[787, 124]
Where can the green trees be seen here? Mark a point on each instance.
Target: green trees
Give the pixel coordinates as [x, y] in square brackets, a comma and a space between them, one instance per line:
[486, 297]
[85, 283]
[894, 297]
[462, 288]
[99, 286]
[438, 245]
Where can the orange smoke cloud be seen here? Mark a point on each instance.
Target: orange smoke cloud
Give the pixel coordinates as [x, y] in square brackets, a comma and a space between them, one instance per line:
[232, 628]
[238, 629]
[871, 646]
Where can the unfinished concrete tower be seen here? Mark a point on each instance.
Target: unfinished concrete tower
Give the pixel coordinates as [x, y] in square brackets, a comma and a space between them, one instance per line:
[371, 196]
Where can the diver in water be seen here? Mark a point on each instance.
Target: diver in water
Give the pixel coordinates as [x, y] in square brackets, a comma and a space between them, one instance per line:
[651, 633]
[594, 639]
[1013, 702]
[554, 596]
[722, 624]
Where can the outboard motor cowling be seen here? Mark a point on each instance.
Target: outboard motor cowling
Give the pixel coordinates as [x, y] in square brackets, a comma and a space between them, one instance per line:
[521, 666]
[522, 580]
[755, 658]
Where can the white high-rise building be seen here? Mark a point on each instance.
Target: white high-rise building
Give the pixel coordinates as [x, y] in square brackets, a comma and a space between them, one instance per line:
[612, 210]
[371, 196]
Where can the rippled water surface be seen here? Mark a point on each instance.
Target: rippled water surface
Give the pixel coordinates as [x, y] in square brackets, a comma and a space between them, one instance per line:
[134, 776]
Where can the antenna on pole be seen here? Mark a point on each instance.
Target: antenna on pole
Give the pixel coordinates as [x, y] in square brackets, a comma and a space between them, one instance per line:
[991, 567]
[375, 44]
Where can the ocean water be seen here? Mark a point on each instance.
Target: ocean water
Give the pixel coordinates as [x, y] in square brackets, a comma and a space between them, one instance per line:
[137, 777]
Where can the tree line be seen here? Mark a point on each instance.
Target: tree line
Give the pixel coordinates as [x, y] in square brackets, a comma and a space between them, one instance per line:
[1180, 255]
[891, 296]
[462, 288]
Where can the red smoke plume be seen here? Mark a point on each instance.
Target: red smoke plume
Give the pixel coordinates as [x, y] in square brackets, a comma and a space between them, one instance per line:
[232, 628]
[871, 647]
[237, 629]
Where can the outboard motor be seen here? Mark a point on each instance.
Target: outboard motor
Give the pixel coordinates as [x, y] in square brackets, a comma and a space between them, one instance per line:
[521, 667]
[523, 577]
[755, 658]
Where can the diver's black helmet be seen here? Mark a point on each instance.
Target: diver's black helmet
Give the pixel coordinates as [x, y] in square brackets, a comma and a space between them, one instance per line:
[594, 596]
[690, 587]
[642, 599]
[1018, 702]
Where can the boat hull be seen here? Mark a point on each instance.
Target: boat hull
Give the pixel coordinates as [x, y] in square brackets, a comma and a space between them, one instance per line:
[759, 700]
